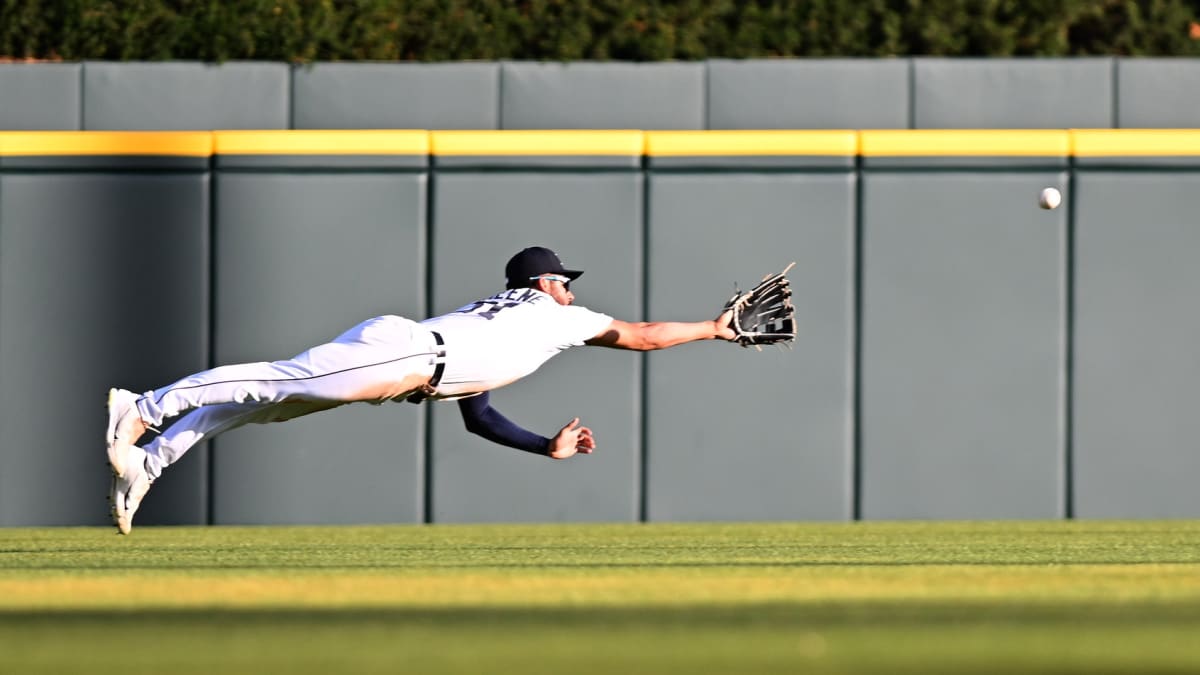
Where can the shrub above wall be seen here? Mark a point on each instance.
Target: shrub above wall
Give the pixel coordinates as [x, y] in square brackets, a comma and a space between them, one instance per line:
[635, 30]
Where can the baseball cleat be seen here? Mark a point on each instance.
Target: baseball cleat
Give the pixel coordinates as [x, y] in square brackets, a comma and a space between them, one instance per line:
[126, 492]
[125, 427]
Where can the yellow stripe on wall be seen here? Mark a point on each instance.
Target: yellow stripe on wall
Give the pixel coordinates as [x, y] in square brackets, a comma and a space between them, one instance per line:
[61, 143]
[877, 143]
[539, 142]
[1135, 142]
[322, 142]
[965, 142]
[758, 143]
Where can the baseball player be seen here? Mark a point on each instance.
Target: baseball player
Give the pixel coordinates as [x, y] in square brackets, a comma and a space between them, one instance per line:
[461, 355]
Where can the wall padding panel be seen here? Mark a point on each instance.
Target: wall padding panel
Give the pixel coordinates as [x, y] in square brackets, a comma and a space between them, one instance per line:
[1158, 93]
[1135, 357]
[783, 451]
[301, 257]
[594, 221]
[962, 355]
[808, 94]
[186, 95]
[1013, 93]
[104, 278]
[396, 96]
[40, 96]
[602, 96]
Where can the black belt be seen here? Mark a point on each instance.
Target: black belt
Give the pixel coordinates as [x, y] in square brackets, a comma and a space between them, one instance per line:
[430, 387]
[441, 364]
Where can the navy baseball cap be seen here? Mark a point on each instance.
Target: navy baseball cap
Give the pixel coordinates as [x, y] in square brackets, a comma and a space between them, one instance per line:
[534, 261]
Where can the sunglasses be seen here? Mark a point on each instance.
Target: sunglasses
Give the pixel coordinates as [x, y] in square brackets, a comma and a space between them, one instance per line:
[566, 281]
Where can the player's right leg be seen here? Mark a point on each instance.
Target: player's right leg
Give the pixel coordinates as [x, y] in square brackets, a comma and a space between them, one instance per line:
[127, 491]
[143, 466]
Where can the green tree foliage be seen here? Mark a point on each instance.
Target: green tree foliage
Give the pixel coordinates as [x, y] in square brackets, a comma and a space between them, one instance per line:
[641, 30]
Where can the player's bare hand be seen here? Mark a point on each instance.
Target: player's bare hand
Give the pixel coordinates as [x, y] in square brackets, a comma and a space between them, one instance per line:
[721, 326]
[572, 439]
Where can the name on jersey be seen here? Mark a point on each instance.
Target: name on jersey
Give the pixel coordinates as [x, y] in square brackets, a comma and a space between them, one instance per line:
[489, 308]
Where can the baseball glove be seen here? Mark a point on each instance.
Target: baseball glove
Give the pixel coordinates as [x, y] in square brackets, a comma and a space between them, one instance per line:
[764, 315]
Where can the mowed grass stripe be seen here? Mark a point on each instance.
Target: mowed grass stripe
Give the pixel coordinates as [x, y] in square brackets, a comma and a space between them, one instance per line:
[1085, 597]
[654, 587]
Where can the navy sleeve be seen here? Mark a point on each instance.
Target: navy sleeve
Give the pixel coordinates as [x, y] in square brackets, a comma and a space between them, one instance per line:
[483, 420]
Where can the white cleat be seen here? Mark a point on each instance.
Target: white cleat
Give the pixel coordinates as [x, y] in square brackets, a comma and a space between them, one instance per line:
[125, 427]
[126, 492]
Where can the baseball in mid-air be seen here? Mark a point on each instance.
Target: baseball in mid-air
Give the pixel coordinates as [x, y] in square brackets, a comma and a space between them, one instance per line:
[1050, 198]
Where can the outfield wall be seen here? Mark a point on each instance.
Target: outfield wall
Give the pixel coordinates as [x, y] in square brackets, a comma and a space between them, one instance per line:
[962, 353]
[901, 93]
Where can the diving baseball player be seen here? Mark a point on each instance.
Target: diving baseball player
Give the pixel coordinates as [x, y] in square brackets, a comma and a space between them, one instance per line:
[461, 355]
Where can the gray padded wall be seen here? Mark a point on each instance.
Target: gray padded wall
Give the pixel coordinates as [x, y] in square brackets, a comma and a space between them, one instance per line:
[1136, 336]
[962, 346]
[184, 96]
[594, 222]
[301, 257]
[103, 282]
[1158, 93]
[789, 454]
[1013, 93]
[718, 94]
[646, 96]
[808, 94]
[396, 96]
[40, 96]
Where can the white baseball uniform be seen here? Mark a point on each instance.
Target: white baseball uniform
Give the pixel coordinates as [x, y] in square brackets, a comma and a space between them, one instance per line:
[480, 346]
[499, 340]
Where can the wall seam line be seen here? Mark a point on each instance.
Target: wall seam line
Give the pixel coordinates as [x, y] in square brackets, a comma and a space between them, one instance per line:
[857, 348]
[210, 514]
[644, 375]
[427, 410]
[1068, 388]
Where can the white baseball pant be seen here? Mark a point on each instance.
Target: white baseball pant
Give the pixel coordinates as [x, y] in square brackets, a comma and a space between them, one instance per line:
[381, 359]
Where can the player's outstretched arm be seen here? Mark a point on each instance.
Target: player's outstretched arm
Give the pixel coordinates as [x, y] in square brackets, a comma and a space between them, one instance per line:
[646, 336]
[483, 420]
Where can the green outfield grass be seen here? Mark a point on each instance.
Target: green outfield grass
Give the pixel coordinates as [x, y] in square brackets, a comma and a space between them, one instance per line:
[1020, 597]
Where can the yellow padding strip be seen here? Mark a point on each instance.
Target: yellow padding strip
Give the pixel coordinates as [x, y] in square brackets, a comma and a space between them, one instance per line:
[759, 143]
[550, 142]
[877, 143]
[335, 142]
[966, 142]
[80, 143]
[1135, 142]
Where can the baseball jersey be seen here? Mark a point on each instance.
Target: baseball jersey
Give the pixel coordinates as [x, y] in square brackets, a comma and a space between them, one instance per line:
[498, 340]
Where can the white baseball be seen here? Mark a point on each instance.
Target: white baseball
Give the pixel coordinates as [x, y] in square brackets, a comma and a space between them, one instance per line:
[1050, 198]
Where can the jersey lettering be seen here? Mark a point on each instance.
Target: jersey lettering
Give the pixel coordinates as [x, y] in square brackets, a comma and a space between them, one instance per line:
[493, 305]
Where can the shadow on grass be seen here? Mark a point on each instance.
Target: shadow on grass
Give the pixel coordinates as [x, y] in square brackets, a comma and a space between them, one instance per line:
[685, 564]
[790, 615]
